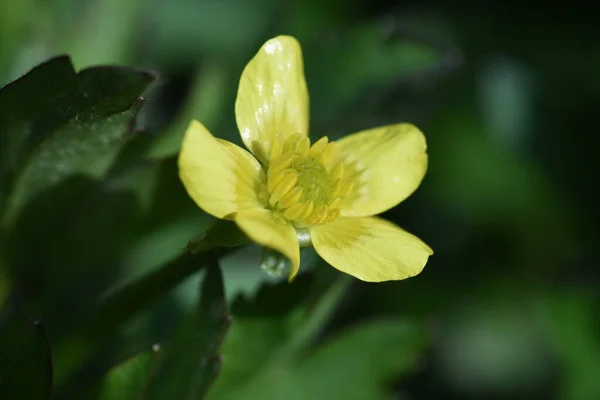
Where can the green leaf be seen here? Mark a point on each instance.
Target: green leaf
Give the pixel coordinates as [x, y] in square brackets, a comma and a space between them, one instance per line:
[131, 298]
[124, 303]
[56, 122]
[77, 229]
[220, 233]
[357, 363]
[191, 361]
[170, 217]
[270, 352]
[129, 380]
[25, 360]
[271, 330]
[261, 328]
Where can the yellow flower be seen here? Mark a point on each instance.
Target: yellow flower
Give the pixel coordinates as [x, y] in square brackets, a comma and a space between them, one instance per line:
[286, 192]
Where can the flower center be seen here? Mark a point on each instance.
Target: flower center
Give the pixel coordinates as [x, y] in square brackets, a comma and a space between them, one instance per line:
[306, 183]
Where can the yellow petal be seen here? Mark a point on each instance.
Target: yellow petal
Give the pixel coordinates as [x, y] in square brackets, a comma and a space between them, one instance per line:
[388, 163]
[370, 248]
[265, 228]
[219, 176]
[272, 96]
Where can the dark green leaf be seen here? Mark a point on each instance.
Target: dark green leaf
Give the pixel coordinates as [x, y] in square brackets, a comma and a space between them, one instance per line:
[84, 144]
[191, 362]
[357, 363]
[274, 329]
[170, 219]
[271, 355]
[122, 304]
[133, 297]
[77, 230]
[220, 233]
[261, 327]
[56, 122]
[206, 102]
[125, 302]
[25, 360]
[129, 380]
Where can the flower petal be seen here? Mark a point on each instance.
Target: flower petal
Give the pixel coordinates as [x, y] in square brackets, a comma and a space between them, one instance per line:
[263, 227]
[219, 176]
[370, 248]
[272, 96]
[388, 164]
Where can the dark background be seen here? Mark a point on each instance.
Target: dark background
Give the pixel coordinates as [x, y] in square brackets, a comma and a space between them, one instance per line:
[507, 96]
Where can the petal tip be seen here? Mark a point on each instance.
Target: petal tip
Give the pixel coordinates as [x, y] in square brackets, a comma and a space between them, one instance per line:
[293, 272]
[291, 278]
[283, 39]
[194, 125]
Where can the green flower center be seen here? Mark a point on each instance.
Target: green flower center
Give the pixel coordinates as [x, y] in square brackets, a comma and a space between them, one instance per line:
[314, 180]
[306, 183]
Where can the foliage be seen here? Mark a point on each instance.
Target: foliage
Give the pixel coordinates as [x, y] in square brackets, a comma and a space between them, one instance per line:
[115, 285]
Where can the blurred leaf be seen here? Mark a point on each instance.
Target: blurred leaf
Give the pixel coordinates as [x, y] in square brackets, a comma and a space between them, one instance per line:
[307, 20]
[129, 380]
[270, 355]
[191, 30]
[204, 103]
[57, 122]
[243, 276]
[506, 93]
[218, 236]
[260, 328]
[15, 20]
[25, 360]
[78, 229]
[134, 297]
[488, 183]
[191, 362]
[105, 31]
[112, 320]
[5, 282]
[183, 364]
[220, 233]
[154, 248]
[123, 303]
[361, 61]
[572, 325]
[170, 218]
[357, 363]
[494, 346]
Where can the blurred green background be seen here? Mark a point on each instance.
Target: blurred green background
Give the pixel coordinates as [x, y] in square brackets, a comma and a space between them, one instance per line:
[507, 308]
